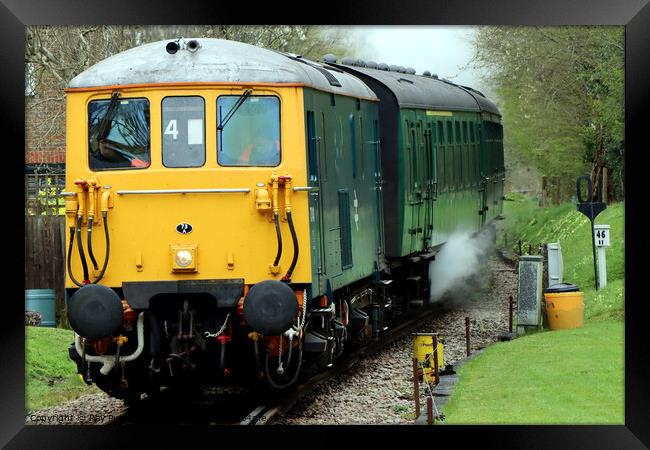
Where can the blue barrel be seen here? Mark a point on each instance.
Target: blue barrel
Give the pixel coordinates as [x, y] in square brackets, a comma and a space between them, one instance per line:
[44, 302]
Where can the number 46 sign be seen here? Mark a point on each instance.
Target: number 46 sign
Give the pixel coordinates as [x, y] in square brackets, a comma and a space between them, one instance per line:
[601, 235]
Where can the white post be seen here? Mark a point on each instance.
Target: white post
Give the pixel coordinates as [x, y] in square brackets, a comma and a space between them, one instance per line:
[602, 242]
[602, 268]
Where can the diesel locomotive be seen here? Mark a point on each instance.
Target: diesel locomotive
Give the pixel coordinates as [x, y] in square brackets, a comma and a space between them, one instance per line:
[237, 213]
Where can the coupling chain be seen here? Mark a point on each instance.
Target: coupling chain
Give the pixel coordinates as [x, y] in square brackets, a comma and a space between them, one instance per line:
[218, 333]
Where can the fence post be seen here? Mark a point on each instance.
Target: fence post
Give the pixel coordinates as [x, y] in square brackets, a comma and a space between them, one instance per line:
[510, 305]
[435, 360]
[467, 343]
[416, 387]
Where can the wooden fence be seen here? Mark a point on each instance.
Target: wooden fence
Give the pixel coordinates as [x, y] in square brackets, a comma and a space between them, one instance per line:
[45, 235]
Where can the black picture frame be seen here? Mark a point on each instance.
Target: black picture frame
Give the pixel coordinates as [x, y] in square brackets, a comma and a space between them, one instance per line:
[633, 14]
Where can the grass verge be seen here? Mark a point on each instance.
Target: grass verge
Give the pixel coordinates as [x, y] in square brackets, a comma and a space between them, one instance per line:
[50, 375]
[559, 377]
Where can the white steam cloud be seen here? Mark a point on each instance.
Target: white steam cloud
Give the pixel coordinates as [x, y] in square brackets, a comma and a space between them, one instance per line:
[456, 263]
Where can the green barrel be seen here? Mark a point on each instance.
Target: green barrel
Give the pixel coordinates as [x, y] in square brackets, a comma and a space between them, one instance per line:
[44, 302]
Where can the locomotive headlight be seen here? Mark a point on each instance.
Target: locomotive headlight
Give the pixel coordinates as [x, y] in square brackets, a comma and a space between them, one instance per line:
[183, 258]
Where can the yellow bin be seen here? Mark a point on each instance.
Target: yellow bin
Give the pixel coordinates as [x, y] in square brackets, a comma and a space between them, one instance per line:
[565, 309]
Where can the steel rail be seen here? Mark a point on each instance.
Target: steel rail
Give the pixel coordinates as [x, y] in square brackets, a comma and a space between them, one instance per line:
[346, 362]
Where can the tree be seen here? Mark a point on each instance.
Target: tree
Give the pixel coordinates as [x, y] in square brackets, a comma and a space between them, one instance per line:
[561, 94]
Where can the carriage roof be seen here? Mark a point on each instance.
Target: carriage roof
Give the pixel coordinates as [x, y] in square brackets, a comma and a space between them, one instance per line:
[218, 61]
[417, 91]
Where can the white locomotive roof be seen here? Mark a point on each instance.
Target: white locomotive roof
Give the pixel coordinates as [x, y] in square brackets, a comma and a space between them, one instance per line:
[216, 60]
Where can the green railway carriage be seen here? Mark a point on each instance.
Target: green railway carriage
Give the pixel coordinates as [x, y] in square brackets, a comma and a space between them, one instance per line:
[442, 157]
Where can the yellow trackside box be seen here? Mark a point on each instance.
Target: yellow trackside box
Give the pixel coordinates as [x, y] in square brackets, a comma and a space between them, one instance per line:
[423, 351]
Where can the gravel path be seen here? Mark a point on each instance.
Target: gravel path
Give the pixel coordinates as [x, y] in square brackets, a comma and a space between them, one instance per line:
[377, 390]
[92, 409]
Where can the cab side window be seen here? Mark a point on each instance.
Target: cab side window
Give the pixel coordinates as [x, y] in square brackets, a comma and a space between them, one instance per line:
[119, 134]
[251, 136]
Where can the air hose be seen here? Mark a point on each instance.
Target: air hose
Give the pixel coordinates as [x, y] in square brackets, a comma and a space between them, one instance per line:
[108, 247]
[294, 238]
[90, 243]
[222, 357]
[301, 324]
[84, 265]
[74, 280]
[82, 255]
[295, 376]
[276, 218]
[117, 356]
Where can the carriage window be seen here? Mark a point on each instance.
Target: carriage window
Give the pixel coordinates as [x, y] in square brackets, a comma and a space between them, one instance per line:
[119, 134]
[183, 131]
[251, 134]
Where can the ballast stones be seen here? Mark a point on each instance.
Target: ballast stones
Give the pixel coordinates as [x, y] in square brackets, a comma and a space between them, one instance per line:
[271, 307]
[95, 311]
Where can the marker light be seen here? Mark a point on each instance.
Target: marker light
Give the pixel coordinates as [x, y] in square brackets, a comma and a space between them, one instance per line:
[183, 258]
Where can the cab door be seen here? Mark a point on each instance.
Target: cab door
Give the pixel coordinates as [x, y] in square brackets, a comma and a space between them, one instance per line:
[314, 140]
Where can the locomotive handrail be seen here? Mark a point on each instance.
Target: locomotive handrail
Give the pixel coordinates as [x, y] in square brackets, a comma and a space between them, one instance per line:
[306, 188]
[185, 191]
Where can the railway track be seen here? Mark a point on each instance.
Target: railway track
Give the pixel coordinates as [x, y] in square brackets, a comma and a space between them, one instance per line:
[264, 416]
[246, 407]
[348, 361]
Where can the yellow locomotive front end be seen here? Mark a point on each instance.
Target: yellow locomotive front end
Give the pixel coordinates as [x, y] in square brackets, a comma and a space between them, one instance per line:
[188, 227]
[185, 200]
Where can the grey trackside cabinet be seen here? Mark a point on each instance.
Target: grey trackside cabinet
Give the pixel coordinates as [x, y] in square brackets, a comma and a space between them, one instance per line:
[530, 292]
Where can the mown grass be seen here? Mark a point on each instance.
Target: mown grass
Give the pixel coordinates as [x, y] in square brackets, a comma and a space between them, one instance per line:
[554, 377]
[560, 377]
[50, 375]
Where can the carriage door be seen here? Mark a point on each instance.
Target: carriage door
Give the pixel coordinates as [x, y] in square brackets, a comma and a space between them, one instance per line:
[378, 190]
[484, 177]
[431, 191]
[315, 204]
[414, 188]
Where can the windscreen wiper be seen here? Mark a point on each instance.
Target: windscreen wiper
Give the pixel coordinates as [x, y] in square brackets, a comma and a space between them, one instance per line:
[234, 108]
[104, 127]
